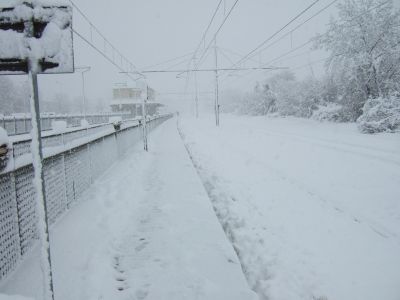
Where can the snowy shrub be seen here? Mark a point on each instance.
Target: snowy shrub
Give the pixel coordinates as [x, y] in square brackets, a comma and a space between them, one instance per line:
[380, 114]
[329, 112]
[364, 54]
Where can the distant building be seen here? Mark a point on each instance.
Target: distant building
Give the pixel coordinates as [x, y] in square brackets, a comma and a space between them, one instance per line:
[129, 99]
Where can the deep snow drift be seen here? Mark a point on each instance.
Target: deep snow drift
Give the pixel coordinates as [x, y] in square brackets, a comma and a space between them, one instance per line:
[146, 230]
[313, 209]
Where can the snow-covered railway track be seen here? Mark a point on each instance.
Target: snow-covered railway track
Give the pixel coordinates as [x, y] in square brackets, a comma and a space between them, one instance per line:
[379, 154]
[309, 218]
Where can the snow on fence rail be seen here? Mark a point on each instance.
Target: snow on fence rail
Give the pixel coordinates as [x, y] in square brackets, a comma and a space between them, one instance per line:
[69, 169]
[21, 124]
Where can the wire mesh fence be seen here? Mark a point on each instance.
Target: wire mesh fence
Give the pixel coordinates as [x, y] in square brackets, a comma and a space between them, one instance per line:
[68, 174]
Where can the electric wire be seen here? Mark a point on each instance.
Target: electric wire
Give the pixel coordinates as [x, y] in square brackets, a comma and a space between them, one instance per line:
[206, 31]
[167, 61]
[216, 33]
[298, 26]
[104, 55]
[312, 39]
[106, 41]
[278, 31]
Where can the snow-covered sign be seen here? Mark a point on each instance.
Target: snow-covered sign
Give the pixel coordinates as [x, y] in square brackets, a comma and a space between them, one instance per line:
[38, 31]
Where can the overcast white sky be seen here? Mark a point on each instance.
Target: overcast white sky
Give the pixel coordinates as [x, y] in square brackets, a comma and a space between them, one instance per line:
[151, 31]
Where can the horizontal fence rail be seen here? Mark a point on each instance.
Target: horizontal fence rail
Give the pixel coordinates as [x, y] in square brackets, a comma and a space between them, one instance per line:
[21, 124]
[72, 162]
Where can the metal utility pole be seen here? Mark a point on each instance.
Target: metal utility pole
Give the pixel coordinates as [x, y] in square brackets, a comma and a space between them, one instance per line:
[144, 119]
[216, 105]
[39, 177]
[83, 93]
[37, 155]
[84, 70]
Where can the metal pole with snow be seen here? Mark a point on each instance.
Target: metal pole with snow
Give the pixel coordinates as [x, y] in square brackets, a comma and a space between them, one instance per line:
[41, 203]
[144, 119]
[83, 71]
[28, 33]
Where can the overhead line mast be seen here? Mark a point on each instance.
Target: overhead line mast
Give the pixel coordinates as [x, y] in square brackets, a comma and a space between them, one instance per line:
[198, 63]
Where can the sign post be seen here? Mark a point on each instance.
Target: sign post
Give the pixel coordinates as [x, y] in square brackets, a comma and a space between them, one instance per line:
[41, 205]
[39, 41]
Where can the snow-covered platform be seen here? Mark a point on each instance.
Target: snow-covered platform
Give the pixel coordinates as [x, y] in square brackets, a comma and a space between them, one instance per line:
[146, 230]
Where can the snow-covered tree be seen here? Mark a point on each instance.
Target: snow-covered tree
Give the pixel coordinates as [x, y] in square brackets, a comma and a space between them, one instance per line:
[309, 97]
[285, 87]
[284, 95]
[264, 99]
[381, 114]
[364, 47]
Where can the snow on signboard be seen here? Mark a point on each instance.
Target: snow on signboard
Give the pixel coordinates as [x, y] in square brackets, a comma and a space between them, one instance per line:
[50, 43]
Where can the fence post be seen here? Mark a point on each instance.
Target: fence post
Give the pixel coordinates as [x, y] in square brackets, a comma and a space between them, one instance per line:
[15, 125]
[14, 185]
[90, 163]
[26, 128]
[65, 180]
[65, 177]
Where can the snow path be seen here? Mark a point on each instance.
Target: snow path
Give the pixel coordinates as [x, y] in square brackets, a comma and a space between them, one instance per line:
[313, 209]
[146, 230]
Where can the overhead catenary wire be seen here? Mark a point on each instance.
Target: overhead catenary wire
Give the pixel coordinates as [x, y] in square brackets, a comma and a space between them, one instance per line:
[216, 33]
[225, 55]
[205, 32]
[203, 39]
[168, 61]
[234, 53]
[277, 32]
[105, 56]
[208, 70]
[250, 57]
[184, 61]
[312, 39]
[298, 26]
[200, 43]
[278, 58]
[105, 42]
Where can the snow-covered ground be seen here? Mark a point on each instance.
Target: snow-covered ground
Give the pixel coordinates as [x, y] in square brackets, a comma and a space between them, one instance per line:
[313, 209]
[146, 230]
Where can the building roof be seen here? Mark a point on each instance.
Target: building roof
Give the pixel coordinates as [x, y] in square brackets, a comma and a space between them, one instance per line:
[128, 101]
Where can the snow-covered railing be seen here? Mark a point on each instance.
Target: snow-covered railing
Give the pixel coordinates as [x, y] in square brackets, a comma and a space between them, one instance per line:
[50, 139]
[70, 166]
[21, 123]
